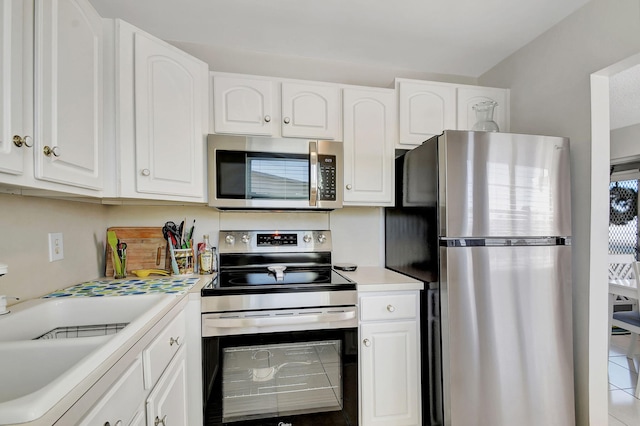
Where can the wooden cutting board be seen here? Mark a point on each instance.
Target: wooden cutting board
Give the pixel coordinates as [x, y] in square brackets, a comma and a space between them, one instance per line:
[146, 249]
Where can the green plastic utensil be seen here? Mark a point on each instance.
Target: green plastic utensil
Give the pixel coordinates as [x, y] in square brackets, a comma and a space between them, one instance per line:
[112, 239]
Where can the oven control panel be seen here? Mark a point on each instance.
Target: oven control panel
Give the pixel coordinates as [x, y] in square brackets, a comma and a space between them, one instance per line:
[274, 241]
[277, 240]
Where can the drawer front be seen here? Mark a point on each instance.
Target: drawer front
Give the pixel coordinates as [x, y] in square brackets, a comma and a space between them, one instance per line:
[159, 353]
[388, 307]
[121, 400]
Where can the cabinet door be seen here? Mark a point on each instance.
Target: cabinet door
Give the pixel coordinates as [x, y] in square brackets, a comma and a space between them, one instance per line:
[68, 93]
[121, 402]
[425, 110]
[11, 87]
[170, 115]
[243, 106]
[368, 146]
[167, 403]
[139, 419]
[390, 374]
[311, 111]
[469, 96]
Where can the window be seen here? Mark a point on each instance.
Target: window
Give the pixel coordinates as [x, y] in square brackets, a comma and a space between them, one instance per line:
[623, 217]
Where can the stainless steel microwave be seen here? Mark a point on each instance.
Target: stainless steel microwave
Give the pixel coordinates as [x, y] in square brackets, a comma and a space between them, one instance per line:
[274, 173]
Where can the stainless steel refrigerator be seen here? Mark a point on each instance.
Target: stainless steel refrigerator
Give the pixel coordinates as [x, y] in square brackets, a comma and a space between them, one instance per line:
[484, 219]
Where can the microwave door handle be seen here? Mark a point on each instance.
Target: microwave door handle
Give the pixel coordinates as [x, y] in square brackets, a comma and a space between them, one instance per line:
[313, 178]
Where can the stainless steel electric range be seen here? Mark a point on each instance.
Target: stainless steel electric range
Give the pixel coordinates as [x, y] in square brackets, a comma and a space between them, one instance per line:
[279, 333]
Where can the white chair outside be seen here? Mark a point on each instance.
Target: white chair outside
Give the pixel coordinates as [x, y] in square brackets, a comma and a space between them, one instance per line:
[630, 320]
[620, 269]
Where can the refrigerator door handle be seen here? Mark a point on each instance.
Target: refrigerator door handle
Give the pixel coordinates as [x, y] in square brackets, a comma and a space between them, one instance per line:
[505, 242]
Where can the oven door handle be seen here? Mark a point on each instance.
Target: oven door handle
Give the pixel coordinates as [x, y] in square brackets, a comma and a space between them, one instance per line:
[279, 320]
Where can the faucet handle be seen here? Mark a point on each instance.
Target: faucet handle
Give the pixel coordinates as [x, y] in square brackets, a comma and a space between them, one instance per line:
[3, 303]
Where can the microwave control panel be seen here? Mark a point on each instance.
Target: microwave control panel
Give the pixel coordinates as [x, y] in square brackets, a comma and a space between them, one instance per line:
[327, 177]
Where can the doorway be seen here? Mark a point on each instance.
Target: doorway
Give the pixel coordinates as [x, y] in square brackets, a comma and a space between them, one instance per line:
[604, 110]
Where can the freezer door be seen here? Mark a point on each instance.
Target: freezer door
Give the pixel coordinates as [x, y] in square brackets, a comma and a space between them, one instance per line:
[507, 336]
[503, 184]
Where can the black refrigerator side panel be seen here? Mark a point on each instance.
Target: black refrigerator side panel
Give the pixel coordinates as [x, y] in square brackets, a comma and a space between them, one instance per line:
[411, 242]
[431, 363]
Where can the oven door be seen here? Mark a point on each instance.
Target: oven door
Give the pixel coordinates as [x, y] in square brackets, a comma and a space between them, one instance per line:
[297, 378]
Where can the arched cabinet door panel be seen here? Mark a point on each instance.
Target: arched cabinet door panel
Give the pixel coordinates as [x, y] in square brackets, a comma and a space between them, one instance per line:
[68, 83]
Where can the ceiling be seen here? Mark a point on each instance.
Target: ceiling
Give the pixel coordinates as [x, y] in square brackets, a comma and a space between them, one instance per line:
[454, 37]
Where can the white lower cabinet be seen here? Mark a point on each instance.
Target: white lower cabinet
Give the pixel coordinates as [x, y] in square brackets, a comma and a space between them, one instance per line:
[140, 418]
[120, 405]
[153, 389]
[167, 403]
[389, 359]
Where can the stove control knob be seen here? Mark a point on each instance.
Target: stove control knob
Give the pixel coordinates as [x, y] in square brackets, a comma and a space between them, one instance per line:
[246, 238]
[307, 238]
[322, 238]
[230, 239]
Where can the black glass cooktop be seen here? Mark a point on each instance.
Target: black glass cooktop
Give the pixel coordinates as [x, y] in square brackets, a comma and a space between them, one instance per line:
[264, 281]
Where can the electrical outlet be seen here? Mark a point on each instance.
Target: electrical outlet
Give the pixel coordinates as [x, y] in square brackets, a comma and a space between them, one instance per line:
[56, 251]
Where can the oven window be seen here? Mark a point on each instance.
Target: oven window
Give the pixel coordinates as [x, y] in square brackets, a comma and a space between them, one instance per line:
[278, 178]
[281, 379]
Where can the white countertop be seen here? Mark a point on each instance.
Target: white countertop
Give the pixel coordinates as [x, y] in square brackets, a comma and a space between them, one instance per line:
[373, 278]
[93, 367]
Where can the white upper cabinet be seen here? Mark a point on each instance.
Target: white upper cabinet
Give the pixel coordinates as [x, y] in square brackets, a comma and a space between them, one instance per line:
[12, 155]
[251, 105]
[468, 96]
[311, 111]
[68, 93]
[244, 105]
[369, 138]
[162, 110]
[426, 109]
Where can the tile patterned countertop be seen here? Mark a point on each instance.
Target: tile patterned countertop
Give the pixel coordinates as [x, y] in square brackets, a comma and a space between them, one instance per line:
[107, 287]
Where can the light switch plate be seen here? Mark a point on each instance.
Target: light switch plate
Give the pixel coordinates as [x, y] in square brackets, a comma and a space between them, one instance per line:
[56, 248]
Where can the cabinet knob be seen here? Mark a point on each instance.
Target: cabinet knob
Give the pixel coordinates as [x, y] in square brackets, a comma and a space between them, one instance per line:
[287, 120]
[22, 140]
[267, 118]
[160, 422]
[349, 186]
[146, 172]
[175, 341]
[391, 308]
[366, 342]
[49, 151]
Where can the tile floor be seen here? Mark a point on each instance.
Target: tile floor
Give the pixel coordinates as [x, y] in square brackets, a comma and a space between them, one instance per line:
[624, 408]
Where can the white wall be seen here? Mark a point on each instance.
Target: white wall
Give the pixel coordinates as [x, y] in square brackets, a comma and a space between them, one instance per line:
[255, 63]
[550, 94]
[625, 144]
[357, 235]
[24, 244]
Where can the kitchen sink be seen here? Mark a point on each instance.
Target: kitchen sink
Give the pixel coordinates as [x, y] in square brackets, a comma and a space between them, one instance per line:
[35, 318]
[29, 366]
[39, 369]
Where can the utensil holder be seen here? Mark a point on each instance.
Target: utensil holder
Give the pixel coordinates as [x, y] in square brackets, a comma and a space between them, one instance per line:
[184, 259]
[122, 273]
